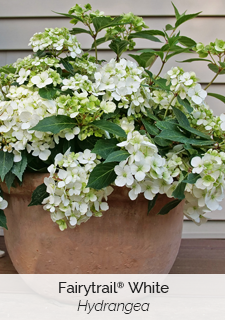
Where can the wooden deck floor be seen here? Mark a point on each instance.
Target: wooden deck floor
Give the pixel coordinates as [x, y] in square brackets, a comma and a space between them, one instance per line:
[196, 256]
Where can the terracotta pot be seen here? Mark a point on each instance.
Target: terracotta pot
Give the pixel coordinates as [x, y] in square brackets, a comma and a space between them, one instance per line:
[124, 240]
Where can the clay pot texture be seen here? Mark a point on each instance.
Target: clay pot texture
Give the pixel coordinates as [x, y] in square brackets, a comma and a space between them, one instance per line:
[124, 240]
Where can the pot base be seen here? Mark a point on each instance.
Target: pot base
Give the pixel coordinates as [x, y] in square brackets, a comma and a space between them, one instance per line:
[124, 240]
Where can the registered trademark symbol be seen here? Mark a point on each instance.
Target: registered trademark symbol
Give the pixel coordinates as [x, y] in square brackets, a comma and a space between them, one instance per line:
[120, 285]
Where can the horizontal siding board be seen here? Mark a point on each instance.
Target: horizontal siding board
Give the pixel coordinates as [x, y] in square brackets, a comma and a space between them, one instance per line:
[15, 33]
[141, 7]
[209, 230]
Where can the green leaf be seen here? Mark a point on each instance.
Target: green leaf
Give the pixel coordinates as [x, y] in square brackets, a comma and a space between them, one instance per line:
[147, 34]
[55, 124]
[169, 27]
[111, 115]
[71, 144]
[187, 42]
[118, 46]
[102, 175]
[162, 84]
[155, 52]
[195, 59]
[100, 41]
[151, 116]
[88, 143]
[19, 167]
[162, 142]
[101, 23]
[71, 16]
[185, 103]
[196, 132]
[185, 18]
[166, 125]
[192, 178]
[151, 203]
[172, 41]
[144, 60]
[155, 32]
[79, 30]
[178, 193]
[9, 179]
[217, 96]
[151, 129]
[38, 195]
[222, 64]
[7, 69]
[192, 152]
[47, 93]
[176, 52]
[6, 163]
[110, 127]
[169, 206]
[184, 123]
[215, 68]
[117, 156]
[179, 137]
[3, 220]
[181, 117]
[67, 66]
[177, 14]
[105, 147]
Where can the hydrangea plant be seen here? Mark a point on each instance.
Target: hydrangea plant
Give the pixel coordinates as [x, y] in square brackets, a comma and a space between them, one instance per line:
[93, 125]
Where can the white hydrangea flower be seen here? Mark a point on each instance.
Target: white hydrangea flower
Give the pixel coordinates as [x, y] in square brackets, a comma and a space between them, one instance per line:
[197, 164]
[3, 204]
[124, 175]
[149, 188]
[23, 74]
[41, 80]
[197, 94]
[108, 106]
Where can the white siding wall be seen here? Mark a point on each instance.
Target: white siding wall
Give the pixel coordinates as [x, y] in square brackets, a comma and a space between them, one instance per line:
[19, 20]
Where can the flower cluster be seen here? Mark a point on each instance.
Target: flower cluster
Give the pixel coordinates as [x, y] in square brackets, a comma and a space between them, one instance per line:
[57, 39]
[122, 81]
[18, 115]
[144, 171]
[214, 48]
[208, 191]
[185, 84]
[203, 118]
[70, 201]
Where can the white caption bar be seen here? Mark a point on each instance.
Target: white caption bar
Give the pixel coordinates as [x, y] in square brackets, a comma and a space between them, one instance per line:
[157, 297]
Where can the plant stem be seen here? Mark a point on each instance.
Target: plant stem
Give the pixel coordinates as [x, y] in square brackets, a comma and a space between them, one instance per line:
[164, 60]
[169, 106]
[163, 63]
[96, 52]
[209, 84]
[212, 57]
